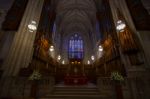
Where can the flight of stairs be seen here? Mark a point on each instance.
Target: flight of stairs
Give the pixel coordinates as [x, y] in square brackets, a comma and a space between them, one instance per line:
[76, 92]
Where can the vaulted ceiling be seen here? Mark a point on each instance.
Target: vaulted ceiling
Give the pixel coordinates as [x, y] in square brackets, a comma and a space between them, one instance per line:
[72, 15]
[75, 16]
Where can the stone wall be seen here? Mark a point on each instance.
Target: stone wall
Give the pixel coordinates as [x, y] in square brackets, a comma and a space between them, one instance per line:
[20, 87]
[145, 39]
[132, 88]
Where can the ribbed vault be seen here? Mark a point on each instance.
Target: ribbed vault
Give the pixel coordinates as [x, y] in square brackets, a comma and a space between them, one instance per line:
[75, 16]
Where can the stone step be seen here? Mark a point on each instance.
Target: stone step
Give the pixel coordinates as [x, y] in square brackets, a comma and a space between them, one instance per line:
[77, 97]
[76, 92]
[76, 86]
[86, 90]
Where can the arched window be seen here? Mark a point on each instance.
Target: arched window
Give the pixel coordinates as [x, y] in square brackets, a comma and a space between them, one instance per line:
[75, 47]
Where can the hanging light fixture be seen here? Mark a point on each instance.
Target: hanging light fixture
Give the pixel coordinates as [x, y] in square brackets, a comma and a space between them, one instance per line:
[51, 48]
[32, 26]
[120, 26]
[100, 48]
[92, 58]
[63, 62]
[88, 62]
[59, 57]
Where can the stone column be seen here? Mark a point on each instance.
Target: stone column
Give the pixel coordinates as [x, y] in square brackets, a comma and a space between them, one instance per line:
[125, 11]
[133, 89]
[5, 44]
[146, 87]
[22, 46]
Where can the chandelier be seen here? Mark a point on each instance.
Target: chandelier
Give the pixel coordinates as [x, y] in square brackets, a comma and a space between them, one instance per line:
[32, 26]
[120, 26]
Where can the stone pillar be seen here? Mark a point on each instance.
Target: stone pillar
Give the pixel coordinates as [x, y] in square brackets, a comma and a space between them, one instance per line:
[6, 84]
[122, 6]
[5, 44]
[146, 87]
[22, 46]
[133, 89]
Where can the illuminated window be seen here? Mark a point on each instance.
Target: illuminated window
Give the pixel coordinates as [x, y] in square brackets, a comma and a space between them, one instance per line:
[76, 47]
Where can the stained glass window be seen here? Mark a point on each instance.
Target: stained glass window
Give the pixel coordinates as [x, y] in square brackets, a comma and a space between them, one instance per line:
[75, 47]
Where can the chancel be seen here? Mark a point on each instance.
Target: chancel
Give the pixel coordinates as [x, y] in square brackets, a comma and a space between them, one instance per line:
[74, 49]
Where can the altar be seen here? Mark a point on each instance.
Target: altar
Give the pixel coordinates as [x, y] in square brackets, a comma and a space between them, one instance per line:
[75, 80]
[75, 74]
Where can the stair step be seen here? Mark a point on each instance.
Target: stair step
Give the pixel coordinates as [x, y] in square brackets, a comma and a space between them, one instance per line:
[74, 88]
[78, 96]
[73, 93]
[76, 92]
[86, 90]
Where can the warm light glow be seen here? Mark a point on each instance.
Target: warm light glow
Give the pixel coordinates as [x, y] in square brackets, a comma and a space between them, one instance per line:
[76, 62]
[32, 26]
[51, 48]
[88, 62]
[59, 57]
[63, 62]
[100, 48]
[92, 58]
[79, 62]
[120, 26]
